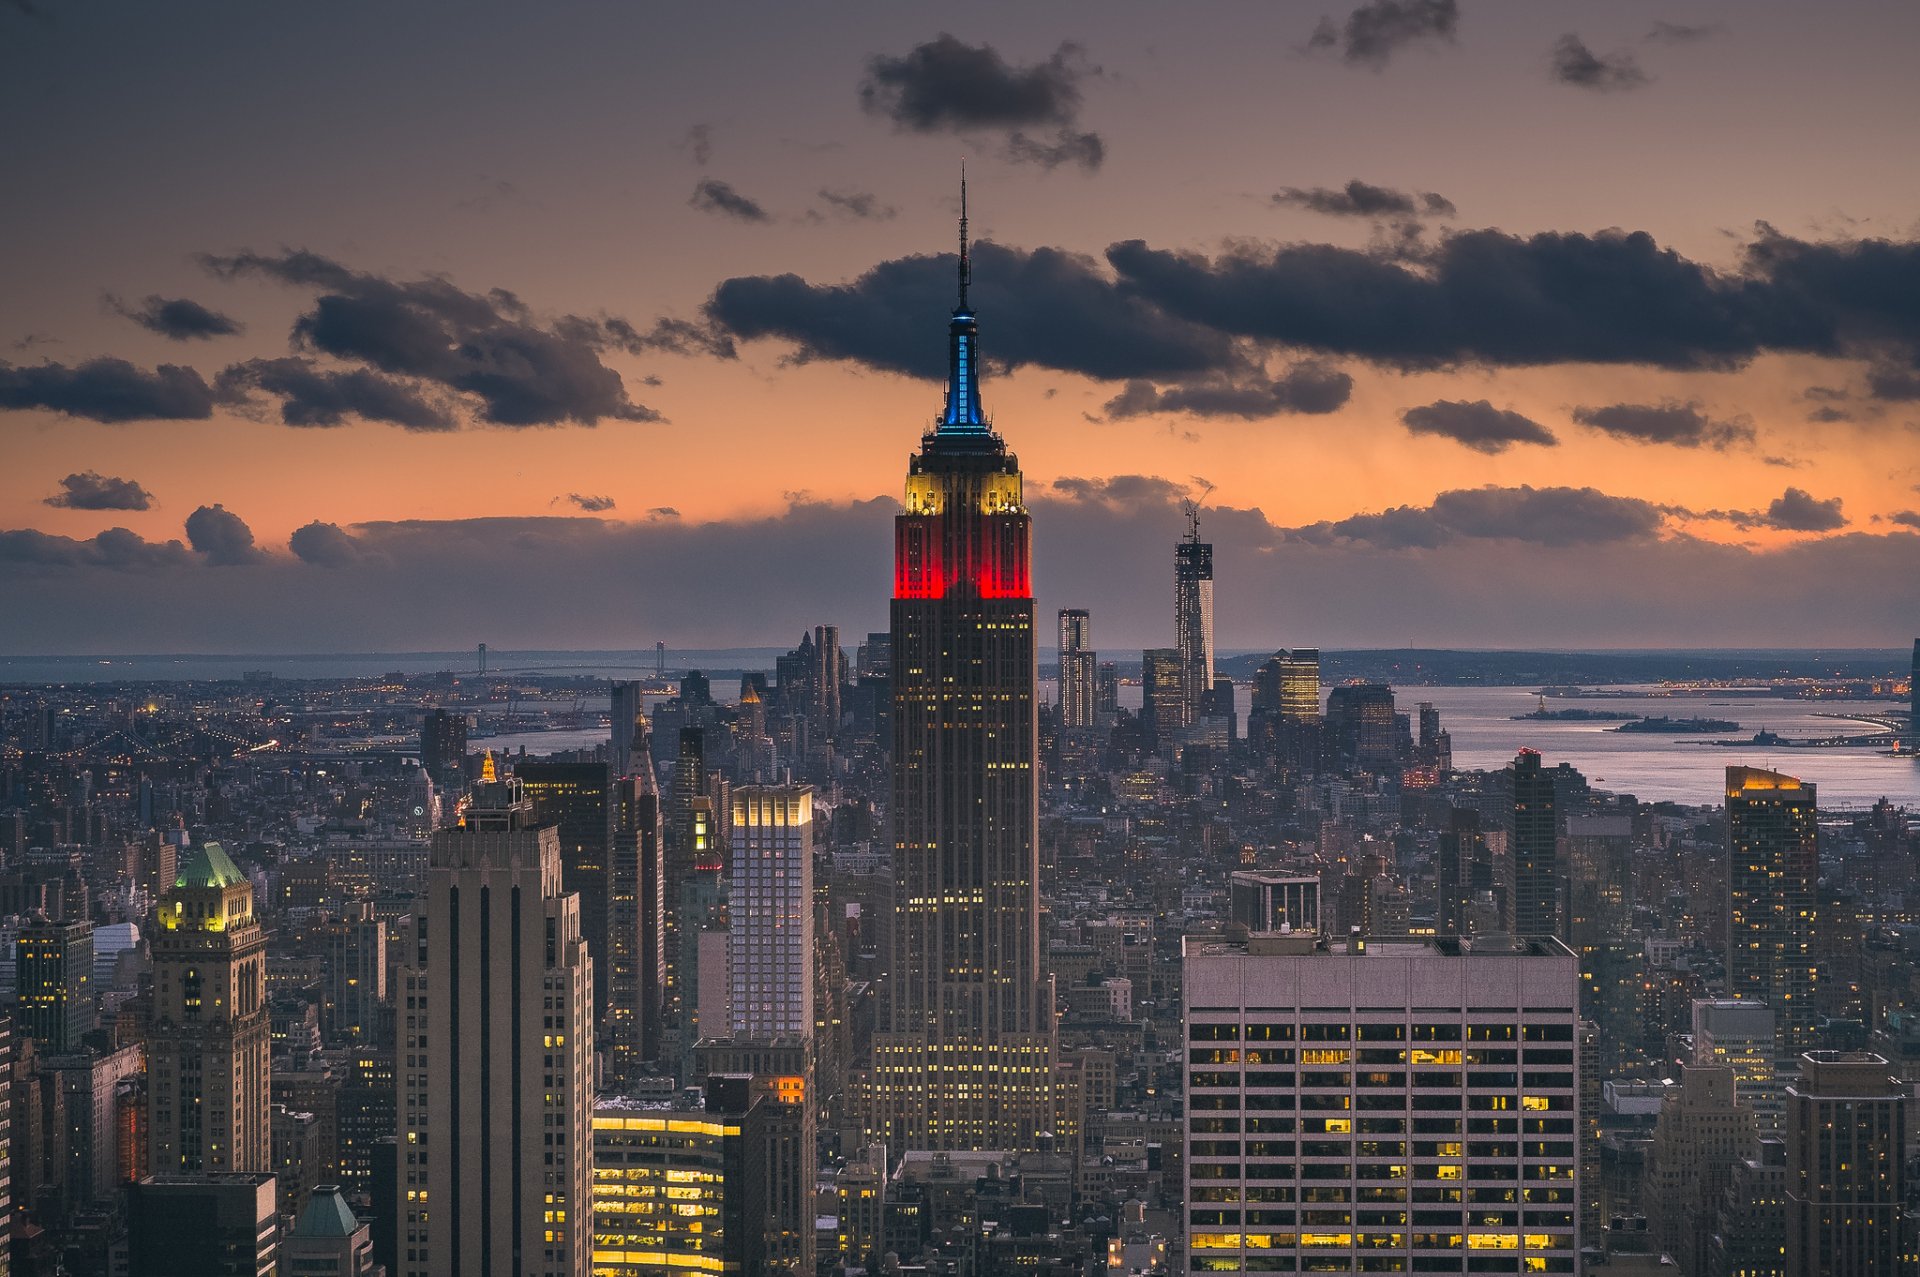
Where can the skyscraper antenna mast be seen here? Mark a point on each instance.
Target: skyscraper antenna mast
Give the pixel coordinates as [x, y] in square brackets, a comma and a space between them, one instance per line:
[966, 263]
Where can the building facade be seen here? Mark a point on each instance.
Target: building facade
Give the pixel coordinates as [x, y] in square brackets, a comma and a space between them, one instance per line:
[1846, 1168]
[1399, 1106]
[1773, 873]
[1077, 664]
[1193, 613]
[770, 912]
[210, 1047]
[496, 1039]
[964, 1057]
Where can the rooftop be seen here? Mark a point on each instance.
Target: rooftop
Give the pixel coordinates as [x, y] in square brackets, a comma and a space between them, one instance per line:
[207, 866]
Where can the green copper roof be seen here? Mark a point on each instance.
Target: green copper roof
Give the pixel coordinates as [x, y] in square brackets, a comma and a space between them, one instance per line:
[207, 866]
[327, 1215]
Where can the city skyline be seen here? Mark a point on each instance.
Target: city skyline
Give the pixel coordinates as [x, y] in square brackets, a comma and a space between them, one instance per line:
[1727, 420]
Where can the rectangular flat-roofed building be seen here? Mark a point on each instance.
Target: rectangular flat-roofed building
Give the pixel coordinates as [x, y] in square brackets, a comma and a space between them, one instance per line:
[1397, 1106]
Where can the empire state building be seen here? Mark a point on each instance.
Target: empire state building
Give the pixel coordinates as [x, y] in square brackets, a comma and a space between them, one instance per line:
[964, 1056]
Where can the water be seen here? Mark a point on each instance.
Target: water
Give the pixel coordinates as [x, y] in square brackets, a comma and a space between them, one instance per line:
[1657, 767]
[342, 665]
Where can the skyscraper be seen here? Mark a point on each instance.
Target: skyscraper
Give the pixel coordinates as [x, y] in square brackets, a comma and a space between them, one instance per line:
[1077, 661]
[1193, 612]
[497, 1036]
[636, 916]
[53, 982]
[1460, 849]
[1773, 870]
[1846, 1168]
[965, 1056]
[627, 724]
[1164, 707]
[209, 1050]
[1534, 898]
[1340, 1091]
[770, 911]
[443, 743]
[579, 800]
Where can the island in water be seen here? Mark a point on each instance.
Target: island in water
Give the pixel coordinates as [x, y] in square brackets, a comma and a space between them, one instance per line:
[1678, 726]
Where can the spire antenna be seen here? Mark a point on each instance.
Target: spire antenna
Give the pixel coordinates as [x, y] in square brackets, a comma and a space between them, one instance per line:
[966, 263]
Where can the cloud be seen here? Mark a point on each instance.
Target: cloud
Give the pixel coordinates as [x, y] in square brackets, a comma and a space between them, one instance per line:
[1477, 424]
[663, 512]
[1556, 517]
[222, 536]
[860, 206]
[1374, 32]
[314, 396]
[91, 490]
[107, 389]
[947, 86]
[591, 504]
[698, 143]
[178, 318]
[1905, 518]
[711, 195]
[1304, 388]
[1362, 199]
[1797, 510]
[513, 368]
[1574, 63]
[1893, 383]
[325, 545]
[1599, 580]
[1681, 33]
[1680, 424]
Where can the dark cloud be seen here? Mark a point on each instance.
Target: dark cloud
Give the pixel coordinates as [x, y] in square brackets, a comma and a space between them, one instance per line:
[1374, 32]
[1797, 510]
[1893, 383]
[711, 195]
[491, 347]
[1905, 518]
[178, 318]
[313, 396]
[91, 490]
[107, 390]
[1574, 63]
[663, 512]
[698, 143]
[1682, 424]
[671, 336]
[1681, 33]
[1477, 424]
[1555, 517]
[117, 549]
[1047, 307]
[862, 206]
[947, 86]
[1362, 199]
[222, 536]
[1594, 581]
[591, 504]
[325, 545]
[1304, 388]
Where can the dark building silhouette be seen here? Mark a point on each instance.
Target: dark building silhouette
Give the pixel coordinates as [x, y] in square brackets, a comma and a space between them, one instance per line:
[579, 798]
[1773, 899]
[1534, 898]
[443, 744]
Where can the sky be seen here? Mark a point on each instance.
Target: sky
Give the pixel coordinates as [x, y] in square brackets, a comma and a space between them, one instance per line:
[588, 324]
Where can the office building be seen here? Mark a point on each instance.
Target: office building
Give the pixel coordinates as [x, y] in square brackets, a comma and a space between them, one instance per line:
[780, 1075]
[1699, 1138]
[677, 1190]
[1360, 726]
[203, 1226]
[356, 971]
[1846, 1168]
[1740, 1036]
[53, 983]
[327, 1240]
[770, 912]
[496, 1036]
[1193, 613]
[1261, 901]
[1533, 897]
[443, 744]
[964, 1056]
[579, 800]
[7, 1143]
[1750, 1230]
[1383, 1106]
[627, 726]
[1106, 693]
[1164, 707]
[1773, 873]
[209, 1047]
[1077, 664]
[636, 918]
[1462, 868]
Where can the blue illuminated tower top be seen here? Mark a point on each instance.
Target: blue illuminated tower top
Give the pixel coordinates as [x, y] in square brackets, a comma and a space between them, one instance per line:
[963, 417]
